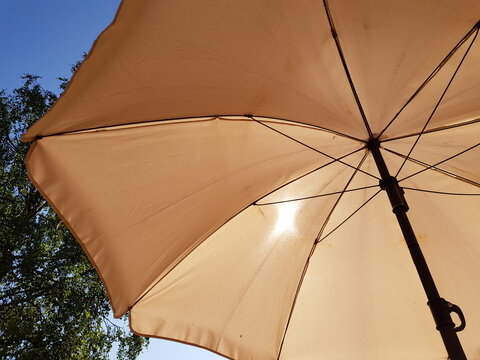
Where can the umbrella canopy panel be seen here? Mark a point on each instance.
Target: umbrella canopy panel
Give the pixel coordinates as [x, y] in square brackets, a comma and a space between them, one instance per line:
[210, 157]
[128, 193]
[169, 59]
[364, 272]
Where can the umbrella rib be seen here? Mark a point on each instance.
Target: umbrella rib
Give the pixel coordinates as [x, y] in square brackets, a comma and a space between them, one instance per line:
[440, 192]
[306, 174]
[442, 128]
[432, 75]
[301, 124]
[246, 207]
[338, 199]
[345, 67]
[434, 166]
[438, 102]
[348, 217]
[192, 118]
[312, 148]
[315, 196]
[311, 254]
[297, 291]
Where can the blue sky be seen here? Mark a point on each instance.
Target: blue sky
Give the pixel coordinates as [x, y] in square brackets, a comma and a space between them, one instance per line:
[45, 37]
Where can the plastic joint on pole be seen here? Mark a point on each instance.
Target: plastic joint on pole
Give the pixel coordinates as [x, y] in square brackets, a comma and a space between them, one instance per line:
[388, 183]
[441, 310]
[395, 194]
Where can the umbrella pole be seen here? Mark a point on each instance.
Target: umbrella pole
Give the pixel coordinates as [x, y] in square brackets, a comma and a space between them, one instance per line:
[439, 307]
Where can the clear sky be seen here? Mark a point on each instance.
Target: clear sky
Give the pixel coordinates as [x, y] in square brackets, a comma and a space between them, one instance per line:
[45, 37]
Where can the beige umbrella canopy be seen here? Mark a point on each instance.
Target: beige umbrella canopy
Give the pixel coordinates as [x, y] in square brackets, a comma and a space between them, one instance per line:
[220, 163]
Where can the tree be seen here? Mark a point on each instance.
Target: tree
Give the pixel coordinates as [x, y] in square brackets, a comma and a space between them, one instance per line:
[52, 303]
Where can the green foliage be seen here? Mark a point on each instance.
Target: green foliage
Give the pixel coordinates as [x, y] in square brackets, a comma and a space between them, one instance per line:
[52, 303]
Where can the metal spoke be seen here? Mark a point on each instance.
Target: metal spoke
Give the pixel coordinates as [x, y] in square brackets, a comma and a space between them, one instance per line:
[440, 192]
[432, 75]
[339, 198]
[312, 148]
[439, 129]
[438, 102]
[316, 196]
[434, 166]
[348, 217]
[345, 67]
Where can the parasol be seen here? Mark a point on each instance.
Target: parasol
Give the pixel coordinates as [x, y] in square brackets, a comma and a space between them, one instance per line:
[231, 167]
